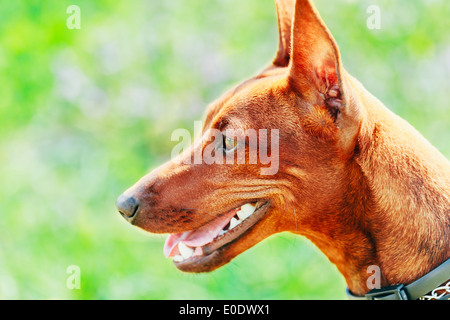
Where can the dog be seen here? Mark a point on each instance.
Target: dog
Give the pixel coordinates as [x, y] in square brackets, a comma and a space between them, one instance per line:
[351, 176]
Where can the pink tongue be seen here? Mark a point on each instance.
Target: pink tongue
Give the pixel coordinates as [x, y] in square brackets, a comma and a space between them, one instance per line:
[198, 237]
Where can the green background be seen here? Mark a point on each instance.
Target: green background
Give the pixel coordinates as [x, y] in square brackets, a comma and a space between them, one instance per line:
[85, 113]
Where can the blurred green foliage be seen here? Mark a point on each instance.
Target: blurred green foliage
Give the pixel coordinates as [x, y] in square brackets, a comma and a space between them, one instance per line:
[85, 113]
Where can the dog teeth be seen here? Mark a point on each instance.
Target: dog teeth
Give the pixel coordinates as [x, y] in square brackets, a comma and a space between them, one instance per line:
[185, 251]
[177, 258]
[245, 211]
[233, 223]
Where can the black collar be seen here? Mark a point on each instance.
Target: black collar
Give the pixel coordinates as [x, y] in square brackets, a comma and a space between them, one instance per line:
[412, 291]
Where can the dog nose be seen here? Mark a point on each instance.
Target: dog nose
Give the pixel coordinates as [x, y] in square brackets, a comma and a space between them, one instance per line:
[128, 206]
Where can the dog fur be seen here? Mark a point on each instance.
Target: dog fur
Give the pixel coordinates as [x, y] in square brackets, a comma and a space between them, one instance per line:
[357, 180]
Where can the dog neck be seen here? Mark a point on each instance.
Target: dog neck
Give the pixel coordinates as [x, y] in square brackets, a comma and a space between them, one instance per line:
[394, 212]
[343, 231]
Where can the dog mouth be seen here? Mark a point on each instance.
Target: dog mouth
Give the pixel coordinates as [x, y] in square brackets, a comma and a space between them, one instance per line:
[200, 246]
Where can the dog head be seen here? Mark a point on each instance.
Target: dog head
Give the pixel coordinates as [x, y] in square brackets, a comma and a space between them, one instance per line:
[269, 158]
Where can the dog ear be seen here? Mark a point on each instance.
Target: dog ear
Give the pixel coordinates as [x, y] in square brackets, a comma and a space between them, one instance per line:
[315, 66]
[317, 76]
[285, 14]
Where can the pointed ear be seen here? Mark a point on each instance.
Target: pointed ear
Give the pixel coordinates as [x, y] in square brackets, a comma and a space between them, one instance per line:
[315, 66]
[285, 14]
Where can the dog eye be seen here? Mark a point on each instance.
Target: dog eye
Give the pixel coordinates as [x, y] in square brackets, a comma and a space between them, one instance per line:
[229, 144]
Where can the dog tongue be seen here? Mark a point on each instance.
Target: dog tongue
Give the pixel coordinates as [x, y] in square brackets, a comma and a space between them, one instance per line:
[197, 237]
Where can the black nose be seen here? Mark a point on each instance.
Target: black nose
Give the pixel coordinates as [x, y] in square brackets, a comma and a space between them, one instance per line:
[127, 206]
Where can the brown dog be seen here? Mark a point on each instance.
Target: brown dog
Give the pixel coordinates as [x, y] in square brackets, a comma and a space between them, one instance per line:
[352, 177]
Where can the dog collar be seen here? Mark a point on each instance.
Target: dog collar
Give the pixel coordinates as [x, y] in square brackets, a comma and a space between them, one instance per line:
[433, 285]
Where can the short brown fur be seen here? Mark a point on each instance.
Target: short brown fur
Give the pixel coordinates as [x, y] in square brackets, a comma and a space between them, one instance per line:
[354, 178]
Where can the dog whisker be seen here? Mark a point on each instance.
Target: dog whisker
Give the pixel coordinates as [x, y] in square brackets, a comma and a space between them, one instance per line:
[197, 211]
[194, 220]
[295, 216]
